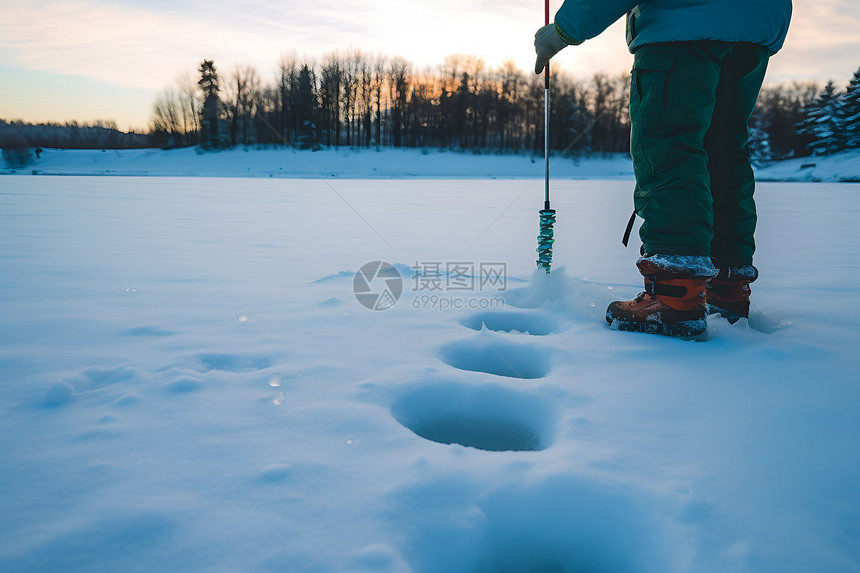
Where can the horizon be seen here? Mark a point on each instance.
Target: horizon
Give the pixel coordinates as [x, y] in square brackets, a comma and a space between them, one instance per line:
[86, 52]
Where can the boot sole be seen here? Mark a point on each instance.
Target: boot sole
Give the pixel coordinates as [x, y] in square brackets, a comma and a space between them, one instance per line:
[685, 329]
[732, 317]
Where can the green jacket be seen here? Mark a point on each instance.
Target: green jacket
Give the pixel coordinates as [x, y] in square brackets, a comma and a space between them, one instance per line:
[763, 22]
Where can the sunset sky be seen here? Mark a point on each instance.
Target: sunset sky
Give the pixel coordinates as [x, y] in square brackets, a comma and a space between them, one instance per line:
[98, 59]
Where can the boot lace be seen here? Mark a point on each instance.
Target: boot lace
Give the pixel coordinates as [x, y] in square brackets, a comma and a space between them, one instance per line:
[641, 296]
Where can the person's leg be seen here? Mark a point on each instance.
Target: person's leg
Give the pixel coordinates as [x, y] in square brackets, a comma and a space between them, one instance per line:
[726, 143]
[672, 100]
[732, 181]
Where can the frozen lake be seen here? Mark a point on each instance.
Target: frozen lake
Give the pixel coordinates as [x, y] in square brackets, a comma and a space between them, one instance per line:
[190, 384]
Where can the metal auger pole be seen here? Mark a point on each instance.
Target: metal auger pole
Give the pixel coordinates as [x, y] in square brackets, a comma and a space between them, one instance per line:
[546, 118]
[547, 214]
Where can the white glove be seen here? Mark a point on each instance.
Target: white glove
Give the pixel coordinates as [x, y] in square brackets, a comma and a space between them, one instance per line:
[547, 44]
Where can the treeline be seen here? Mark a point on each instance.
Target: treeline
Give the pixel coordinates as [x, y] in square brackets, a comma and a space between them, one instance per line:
[800, 119]
[20, 141]
[360, 100]
[69, 135]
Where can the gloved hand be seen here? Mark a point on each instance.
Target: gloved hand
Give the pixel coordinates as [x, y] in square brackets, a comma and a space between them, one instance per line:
[547, 44]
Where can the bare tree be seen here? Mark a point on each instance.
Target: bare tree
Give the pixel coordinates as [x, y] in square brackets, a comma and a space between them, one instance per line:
[377, 82]
[242, 100]
[330, 98]
[167, 117]
[349, 85]
[288, 81]
[399, 82]
[190, 105]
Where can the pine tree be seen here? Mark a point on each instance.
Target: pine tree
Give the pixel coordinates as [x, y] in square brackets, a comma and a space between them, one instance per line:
[847, 117]
[210, 113]
[777, 114]
[819, 121]
[759, 146]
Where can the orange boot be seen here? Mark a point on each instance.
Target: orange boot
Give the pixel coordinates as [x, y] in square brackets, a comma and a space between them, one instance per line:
[729, 292]
[673, 303]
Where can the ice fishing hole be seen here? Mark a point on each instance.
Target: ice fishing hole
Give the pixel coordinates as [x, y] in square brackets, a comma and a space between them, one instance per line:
[494, 356]
[488, 417]
[526, 322]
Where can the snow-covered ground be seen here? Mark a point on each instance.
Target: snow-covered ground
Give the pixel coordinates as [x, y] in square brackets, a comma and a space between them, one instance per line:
[190, 384]
[389, 163]
[328, 163]
[843, 167]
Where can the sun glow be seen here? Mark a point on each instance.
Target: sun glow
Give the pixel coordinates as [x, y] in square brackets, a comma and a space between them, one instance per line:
[132, 50]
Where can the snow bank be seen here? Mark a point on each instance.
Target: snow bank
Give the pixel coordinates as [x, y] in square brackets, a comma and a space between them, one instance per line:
[840, 167]
[329, 163]
[389, 164]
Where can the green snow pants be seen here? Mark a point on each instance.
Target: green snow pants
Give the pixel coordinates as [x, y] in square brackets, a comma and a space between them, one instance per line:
[689, 107]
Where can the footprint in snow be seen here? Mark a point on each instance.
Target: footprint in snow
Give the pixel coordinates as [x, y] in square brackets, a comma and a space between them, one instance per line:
[147, 331]
[96, 377]
[183, 385]
[555, 523]
[488, 417]
[224, 362]
[61, 393]
[534, 323]
[56, 395]
[500, 357]
[275, 474]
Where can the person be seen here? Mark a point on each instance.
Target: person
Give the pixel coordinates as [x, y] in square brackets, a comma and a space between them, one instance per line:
[697, 71]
